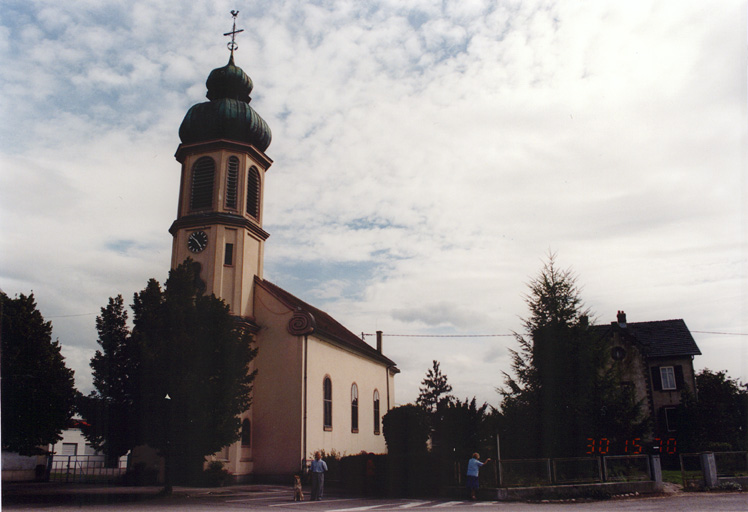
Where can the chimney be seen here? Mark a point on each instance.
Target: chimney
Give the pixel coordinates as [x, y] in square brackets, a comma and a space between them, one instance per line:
[379, 341]
[622, 319]
[584, 321]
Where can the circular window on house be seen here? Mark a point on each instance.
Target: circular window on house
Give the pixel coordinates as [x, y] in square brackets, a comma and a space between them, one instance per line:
[618, 353]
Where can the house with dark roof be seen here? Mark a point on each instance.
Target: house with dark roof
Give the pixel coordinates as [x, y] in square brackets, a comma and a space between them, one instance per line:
[656, 358]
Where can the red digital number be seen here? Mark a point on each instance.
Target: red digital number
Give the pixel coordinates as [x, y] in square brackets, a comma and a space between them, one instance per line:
[670, 445]
[604, 446]
[637, 447]
[590, 446]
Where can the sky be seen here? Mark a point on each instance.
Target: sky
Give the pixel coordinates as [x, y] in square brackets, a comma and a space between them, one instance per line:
[428, 157]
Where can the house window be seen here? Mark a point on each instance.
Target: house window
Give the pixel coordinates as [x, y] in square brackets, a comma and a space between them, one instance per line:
[667, 376]
[253, 192]
[327, 403]
[224, 453]
[232, 182]
[670, 419]
[246, 433]
[376, 411]
[201, 192]
[354, 408]
[228, 255]
[69, 448]
[89, 450]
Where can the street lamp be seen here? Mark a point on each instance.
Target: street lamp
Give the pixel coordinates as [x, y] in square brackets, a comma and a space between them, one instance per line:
[167, 454]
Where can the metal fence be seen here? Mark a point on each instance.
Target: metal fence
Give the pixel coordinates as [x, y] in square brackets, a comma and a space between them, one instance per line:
[537, 472]
[627, 468]
[85, 469]
[731, 463]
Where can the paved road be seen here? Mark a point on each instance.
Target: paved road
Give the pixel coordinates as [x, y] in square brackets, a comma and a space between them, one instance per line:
[279, 499]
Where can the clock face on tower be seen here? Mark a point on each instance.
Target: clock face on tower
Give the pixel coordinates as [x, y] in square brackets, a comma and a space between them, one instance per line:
[197, 241]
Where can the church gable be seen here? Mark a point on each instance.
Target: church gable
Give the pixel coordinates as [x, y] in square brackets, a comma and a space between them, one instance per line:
[308, 319]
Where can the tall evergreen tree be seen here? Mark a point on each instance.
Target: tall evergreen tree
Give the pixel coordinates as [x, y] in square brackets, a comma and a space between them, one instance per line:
[38, 390]
[435, 388]
[563, 389]
[110, 408]
[182, 373]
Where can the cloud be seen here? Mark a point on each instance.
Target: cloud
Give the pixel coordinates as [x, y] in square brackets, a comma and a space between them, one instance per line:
[426, 158]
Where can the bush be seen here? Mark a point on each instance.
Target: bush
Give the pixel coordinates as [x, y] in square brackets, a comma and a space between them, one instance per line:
[215, 475]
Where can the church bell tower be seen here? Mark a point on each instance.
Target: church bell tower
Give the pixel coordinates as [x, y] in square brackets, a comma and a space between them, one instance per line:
[219, 217]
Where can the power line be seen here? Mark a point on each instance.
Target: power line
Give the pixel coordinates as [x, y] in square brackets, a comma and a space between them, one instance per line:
[440, 335]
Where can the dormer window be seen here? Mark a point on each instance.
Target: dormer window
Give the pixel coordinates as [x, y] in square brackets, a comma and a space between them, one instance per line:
[201, 191]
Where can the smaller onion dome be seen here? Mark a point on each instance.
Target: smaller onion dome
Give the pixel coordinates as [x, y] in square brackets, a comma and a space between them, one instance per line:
[227, 115]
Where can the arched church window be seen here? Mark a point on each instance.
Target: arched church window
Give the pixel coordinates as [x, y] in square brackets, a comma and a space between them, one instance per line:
[253, 192]
[201, 192]
[354, 408]
[327, 399]
[232, 182]
[246, 433]
[376, 411]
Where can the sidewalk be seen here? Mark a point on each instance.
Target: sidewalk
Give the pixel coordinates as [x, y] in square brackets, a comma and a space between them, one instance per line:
[58, 493]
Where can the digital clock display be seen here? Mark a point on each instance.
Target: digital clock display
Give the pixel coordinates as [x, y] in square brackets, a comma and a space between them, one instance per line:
[634, 446]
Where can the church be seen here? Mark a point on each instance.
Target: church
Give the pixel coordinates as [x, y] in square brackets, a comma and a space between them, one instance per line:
[318, 386]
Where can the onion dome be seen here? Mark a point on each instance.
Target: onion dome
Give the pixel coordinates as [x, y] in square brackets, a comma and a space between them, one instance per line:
[227, 115]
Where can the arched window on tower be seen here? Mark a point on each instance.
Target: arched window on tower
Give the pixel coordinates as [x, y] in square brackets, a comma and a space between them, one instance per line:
[232, 182]
[327, 400]
[246, 433]
[201, 192]
[376, 411]
[253, 192]
[354, 408]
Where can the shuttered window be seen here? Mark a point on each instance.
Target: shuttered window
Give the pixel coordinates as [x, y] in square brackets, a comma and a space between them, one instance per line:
[201, 192]
[253, 193]
[232, 182]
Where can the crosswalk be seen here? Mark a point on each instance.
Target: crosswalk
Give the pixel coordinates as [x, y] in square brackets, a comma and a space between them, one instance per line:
[281, 499]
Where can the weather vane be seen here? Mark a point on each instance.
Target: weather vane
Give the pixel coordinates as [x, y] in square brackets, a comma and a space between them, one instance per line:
[232, 44]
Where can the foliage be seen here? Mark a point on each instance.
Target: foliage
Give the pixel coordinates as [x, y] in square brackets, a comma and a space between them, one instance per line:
[563, 389]
[435, 388]
[461, 429]
[716, 417]
[406, 430]
[37, 388]
[110, 409]
[188, 347]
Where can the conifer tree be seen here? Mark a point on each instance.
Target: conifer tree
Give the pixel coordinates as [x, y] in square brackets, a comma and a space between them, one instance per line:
[38, 390]
[435, 388]
[563, 389]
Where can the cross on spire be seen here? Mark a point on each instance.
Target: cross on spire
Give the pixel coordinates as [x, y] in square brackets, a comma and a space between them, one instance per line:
[232, 44]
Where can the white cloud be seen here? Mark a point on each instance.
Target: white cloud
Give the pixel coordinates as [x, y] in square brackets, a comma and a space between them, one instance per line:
[427, 157]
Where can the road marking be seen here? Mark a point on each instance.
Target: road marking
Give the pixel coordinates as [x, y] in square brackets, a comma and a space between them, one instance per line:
[308, 502]
[448, 504]
[414, 504]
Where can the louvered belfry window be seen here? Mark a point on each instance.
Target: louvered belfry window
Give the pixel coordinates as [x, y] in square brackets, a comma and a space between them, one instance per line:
[201, 193]
[232, 182]
[253, 193]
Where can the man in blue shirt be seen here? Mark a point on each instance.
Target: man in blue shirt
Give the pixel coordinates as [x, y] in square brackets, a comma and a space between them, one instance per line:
[472, 474]
[318, 476]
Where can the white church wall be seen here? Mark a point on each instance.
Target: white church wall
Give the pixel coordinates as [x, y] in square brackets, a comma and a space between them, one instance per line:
[344, 368]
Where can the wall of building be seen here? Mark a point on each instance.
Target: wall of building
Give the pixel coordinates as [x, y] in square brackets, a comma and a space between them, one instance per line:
[344, 369]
